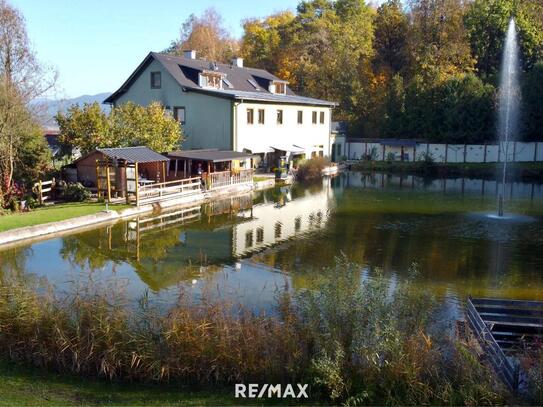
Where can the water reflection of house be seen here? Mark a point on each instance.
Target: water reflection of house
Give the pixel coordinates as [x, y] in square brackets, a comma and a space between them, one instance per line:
[273, 222]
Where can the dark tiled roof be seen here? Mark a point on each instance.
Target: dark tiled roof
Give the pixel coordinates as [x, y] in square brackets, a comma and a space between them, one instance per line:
[209, 155]
[185, 71]
[138, 154]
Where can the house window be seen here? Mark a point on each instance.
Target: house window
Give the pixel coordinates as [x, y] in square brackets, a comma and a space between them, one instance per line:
[260, 116]
[278, 228]
[250, 116]
[156, 80]
[314, 118]
[279, 117]
[280, 88]
[179, 114]
[260, 235]
[300, 117]
[249, 239]
[322, 117]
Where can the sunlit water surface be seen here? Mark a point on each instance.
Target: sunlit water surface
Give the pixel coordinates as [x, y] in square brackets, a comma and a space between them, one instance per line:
[251, 247]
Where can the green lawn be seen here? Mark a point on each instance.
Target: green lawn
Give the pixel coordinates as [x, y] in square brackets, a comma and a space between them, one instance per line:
[25, 386]
[53, 213]
[29, 387]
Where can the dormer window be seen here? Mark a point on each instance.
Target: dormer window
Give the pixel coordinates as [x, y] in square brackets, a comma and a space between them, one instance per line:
[211, 79]
[278, 87]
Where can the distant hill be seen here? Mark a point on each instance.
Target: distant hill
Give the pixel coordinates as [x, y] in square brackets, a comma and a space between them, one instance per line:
[48, 108]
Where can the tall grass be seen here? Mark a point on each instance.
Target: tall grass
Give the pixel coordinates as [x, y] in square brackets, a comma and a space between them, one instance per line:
[356, 341]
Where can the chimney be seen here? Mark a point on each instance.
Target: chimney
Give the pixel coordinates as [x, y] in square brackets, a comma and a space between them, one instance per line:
[189, 53]
[237, 62]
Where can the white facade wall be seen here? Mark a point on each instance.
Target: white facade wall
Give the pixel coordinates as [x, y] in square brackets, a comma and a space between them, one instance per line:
[259, 138]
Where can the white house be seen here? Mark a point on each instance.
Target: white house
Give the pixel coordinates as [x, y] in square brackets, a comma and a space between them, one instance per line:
[231, 107]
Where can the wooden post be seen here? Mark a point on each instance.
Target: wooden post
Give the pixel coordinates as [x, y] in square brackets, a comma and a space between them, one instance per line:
[465, 152]
[535, 151]
[384, 148]
[40, 196]
[163, 171]
[98, 179]
[137, 185]
[446, 152]
[176, 164]
[401, 152]
[484, 154]
[108, 183]
[415, 153]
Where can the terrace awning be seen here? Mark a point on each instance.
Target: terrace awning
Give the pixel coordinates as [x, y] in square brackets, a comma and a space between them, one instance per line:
[289, 148]
[209, 155]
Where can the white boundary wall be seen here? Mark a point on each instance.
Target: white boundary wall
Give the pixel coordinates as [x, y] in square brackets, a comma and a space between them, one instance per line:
[450, 153]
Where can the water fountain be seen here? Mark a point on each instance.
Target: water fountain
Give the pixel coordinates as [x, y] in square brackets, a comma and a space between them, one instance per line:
[509, 97]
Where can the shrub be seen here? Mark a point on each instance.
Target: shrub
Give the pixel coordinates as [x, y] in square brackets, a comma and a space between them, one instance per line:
[75, 192]
[312, 168]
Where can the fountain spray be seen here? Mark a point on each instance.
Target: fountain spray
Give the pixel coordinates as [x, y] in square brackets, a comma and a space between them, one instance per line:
[509, 96]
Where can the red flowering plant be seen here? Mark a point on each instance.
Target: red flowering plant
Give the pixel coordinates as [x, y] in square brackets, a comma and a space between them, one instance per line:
[11, 196]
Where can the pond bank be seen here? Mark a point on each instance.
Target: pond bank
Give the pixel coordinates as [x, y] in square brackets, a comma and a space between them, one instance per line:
[526, 172]
[69, 224]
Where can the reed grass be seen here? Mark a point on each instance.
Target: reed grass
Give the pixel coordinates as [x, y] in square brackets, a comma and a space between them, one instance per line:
[355, 341]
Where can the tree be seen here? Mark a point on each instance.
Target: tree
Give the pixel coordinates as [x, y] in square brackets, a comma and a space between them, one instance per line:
[22, 78]
[88, 127]
[263, 39]
[85, 128]
[486, 22]
[391, 38]
[438, 39]
[532, 110]
[151, 126]
[207, 36]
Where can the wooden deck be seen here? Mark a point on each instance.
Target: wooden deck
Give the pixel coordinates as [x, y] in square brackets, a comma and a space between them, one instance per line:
[505, 329]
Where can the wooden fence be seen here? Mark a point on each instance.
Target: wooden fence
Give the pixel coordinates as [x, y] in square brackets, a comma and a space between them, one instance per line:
[163, 191]
[217, 180]
[44, 190]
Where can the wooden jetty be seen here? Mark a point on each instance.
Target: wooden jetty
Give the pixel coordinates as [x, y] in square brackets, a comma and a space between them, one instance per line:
[506, 329]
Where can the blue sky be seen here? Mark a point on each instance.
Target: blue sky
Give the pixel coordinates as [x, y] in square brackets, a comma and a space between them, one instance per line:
[96, 44]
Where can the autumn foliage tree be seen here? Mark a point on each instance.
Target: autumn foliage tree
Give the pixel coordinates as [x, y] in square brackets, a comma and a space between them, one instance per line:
[129, 124]
[22, 78]
[207, 35]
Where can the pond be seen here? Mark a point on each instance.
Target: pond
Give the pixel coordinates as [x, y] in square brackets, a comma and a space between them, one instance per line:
[249, 247]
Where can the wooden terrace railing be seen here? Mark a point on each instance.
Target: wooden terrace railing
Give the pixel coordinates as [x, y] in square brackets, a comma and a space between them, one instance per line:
[163, 191]
[217, 180]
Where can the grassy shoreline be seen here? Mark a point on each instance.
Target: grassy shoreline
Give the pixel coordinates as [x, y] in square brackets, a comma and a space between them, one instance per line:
[22, 385]
[52, 213]
[528, 172]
